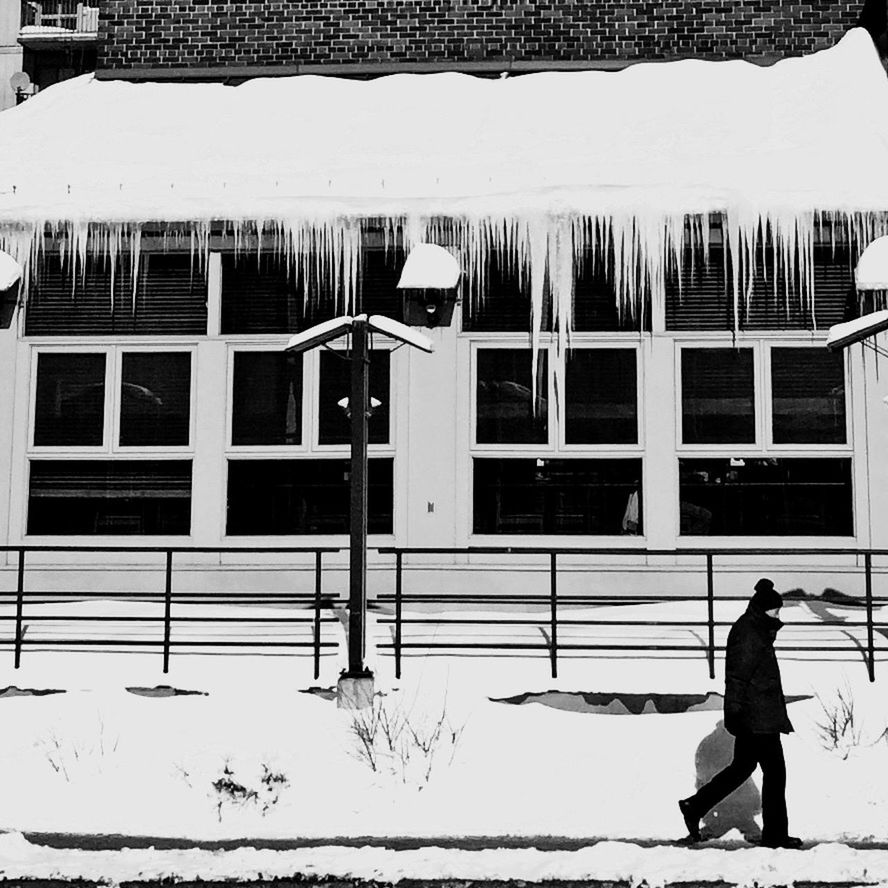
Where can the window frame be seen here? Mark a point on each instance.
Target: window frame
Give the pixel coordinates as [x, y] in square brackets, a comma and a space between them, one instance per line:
[762, 342]
[555, 448]
[309, 449]
[609, 448]
[809, 447]
[756, 445]
[111, 445]
[509, 447]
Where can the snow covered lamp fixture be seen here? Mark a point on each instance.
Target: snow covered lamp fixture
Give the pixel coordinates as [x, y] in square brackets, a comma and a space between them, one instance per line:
[871, 274]
[10, 278]
[428, 284]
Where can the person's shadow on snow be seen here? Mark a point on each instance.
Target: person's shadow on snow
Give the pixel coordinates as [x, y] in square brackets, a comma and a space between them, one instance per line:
[739, 809]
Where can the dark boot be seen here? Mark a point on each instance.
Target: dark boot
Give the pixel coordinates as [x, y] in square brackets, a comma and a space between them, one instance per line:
[692, 821]
[781, 842]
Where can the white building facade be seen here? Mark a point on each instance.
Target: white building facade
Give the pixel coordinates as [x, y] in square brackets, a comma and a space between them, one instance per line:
[645, 374]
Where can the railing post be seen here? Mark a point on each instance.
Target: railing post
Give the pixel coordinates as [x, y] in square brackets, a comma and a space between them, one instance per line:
[398, 605]
[19, 607]
[870, 647]
[553, 600]
[167, 610]
[317, 615]
[710, 600]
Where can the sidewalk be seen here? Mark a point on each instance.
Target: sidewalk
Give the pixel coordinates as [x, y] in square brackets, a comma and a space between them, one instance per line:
[442, 862]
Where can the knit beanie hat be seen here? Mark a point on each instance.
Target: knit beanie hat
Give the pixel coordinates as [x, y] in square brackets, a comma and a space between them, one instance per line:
[766, 597]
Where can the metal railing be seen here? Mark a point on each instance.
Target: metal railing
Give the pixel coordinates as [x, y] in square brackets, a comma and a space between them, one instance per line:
[316, 604]
[556, 605]
[175, 608]
[71, 15]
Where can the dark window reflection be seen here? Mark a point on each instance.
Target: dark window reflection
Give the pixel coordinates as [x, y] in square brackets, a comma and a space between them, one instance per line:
[766, 497]
[70, 408]
[808, 392]
[717, 396]
[267, 398]
[335, 384]
[557, 496]
[303, 496]
[155, 399]
[506, 413]
[601, 402]
[119, 497]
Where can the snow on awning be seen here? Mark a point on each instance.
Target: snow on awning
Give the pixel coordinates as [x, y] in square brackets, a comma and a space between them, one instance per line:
[680, 136]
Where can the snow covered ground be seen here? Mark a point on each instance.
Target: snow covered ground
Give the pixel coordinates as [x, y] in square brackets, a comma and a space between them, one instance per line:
[253, 753]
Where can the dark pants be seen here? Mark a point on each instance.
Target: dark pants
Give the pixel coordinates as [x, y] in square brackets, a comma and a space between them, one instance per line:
[751, 750]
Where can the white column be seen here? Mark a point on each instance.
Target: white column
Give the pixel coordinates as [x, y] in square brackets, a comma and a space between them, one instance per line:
[660, 501]
[426, 483]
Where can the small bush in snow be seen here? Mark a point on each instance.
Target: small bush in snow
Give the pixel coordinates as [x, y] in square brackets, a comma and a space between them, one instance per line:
[400, 742]
[838, 728]
[70, 755]
[237, 791]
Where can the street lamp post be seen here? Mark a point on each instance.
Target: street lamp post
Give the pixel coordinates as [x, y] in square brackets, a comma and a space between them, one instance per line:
[359, 403]
[427, 269]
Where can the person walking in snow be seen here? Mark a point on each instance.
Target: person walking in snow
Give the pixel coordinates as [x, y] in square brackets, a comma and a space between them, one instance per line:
[755, 713]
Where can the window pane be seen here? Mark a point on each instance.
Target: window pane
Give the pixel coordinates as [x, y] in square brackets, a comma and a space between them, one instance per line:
[303, 496]
[70, 408]
[717, 396]
[170, 296]
[699, 295]
[498, 297]
[120, 497]
[766, 497]
[558, 496]
[333, 424]
[601, 405]
[808, 392]
[505, 408]
[267, 398]
[270, 294]
[155, 399]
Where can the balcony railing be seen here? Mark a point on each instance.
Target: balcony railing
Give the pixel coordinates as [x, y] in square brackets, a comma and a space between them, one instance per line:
[68, 15]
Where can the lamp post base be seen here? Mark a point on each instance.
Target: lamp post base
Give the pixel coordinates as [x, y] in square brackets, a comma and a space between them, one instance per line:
[355, 690]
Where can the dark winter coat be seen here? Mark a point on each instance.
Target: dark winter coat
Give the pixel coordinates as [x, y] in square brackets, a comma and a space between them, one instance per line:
[754, 700]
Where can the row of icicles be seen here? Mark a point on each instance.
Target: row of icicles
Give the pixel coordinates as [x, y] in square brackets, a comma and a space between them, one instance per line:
[638, 253]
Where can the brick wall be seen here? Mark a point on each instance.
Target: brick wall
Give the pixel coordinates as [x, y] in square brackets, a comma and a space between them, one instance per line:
[211, 33]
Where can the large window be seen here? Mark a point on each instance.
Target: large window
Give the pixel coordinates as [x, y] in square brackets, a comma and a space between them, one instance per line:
[717, 396]
[568, 467]
[155, 399]
[275, 294]
[303, 496]
[334, 425]
[94, 298]
[116, 497]
[508, 410]
[766, 497]
[808, 396]
[557, 496]
[70, 400]
[699, 294]
[267, 398]
[109, 430]
[289, 428]
[789, 474]
[150, 403]
[601, 402]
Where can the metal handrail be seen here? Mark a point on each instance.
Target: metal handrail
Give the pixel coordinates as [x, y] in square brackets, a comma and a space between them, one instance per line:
[552, 645]
[317, 600]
